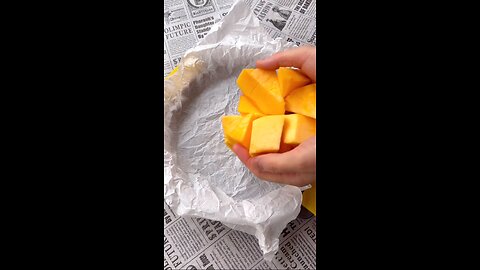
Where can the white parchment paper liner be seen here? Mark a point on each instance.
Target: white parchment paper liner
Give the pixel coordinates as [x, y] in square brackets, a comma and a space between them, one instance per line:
[203, 178]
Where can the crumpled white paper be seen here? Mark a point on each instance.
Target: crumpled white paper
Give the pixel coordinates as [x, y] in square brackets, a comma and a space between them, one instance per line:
[203, 178]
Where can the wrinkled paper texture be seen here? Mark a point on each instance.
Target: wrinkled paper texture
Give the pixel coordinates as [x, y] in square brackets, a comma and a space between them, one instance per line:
[203, 178]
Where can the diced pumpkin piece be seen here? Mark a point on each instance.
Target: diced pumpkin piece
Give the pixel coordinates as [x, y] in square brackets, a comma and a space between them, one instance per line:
[266, 134]
[262, 88]
[237, 129]
[229, 142]
[298, 128]
[303, 101]
[246, 106]
[290, 79]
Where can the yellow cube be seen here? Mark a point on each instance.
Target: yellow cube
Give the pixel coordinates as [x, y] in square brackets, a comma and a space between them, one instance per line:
[303, 101]
[246, 106]
[266, 134]
[298, 128]
[290, 79]
[237, 129]
[262, 88]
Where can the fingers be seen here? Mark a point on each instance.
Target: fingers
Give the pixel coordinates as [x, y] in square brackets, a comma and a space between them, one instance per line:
[241, 153]
[245, 158]
[300, 159]
[296, 167]
[303, 58]
[288, 58]
[294, 179]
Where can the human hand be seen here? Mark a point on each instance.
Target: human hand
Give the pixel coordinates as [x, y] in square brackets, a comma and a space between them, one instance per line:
[296, 167]
[303, 58]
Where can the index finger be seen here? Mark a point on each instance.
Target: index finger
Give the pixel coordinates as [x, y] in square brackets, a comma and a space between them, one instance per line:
[303, 58]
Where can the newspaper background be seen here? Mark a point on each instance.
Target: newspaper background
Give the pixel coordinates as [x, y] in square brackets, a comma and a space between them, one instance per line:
[195, 243]
[187, 22]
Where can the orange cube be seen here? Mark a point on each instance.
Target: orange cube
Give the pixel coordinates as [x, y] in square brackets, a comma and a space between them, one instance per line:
[266, 134]
[290, 79]
[303, 101]
[262, 88]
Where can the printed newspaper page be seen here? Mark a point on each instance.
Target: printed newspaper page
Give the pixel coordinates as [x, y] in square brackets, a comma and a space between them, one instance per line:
[197, 243]
[293, 20]
[188, 21]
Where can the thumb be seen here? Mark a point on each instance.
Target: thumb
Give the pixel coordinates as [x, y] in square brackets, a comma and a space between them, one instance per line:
[301, 159]
[293, 167]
